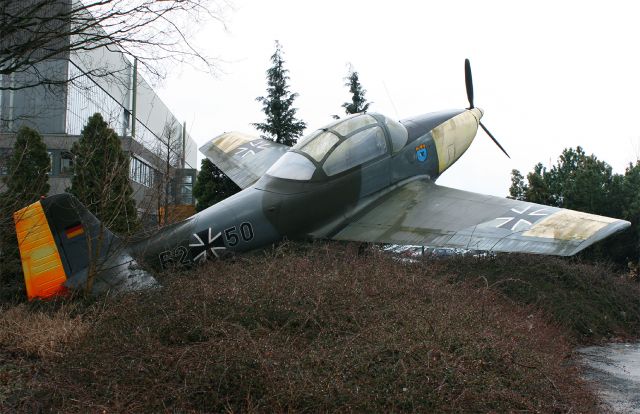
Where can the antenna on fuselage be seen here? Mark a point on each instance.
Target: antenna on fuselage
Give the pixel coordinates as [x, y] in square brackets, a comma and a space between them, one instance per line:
[391, 100]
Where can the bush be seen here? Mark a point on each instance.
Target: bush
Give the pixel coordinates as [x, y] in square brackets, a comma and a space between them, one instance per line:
[317, 329]
[591, 302]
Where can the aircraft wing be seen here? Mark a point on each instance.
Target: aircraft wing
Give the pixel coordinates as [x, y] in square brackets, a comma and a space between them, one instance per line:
[242, 157]
[423, 213]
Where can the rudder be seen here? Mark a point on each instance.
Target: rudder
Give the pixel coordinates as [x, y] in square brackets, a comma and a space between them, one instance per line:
[57, 238]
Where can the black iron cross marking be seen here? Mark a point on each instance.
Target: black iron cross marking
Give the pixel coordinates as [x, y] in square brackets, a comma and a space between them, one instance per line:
[204, 242]
[522, 219]
[252, 147]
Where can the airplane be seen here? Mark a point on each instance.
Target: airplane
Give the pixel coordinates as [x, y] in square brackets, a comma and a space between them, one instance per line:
[364, 178]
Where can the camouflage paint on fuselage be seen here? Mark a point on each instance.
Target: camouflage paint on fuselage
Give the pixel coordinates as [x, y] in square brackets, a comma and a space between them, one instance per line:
[363, 178]
[275, 208]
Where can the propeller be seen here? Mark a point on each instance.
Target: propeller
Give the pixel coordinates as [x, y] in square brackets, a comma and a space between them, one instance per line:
[468, 79]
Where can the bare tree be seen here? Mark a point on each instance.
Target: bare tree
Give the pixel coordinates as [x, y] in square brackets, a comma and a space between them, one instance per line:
[170, 151]
[34, 31]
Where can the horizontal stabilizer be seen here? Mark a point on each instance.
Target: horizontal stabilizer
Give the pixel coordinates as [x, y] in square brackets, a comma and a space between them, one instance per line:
[61, 243]
[243, 158]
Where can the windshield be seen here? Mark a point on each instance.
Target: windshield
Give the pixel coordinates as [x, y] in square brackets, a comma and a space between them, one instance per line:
[398, 133]
[292, 166]
[320, 145]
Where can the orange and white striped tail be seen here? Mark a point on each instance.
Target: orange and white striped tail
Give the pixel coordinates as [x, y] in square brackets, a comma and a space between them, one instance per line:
[44, 274]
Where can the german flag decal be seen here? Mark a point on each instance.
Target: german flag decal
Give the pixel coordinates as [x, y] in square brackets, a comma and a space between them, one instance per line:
[74, 230]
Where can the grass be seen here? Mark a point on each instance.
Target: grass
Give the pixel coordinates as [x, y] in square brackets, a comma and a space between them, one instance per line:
[320, 328]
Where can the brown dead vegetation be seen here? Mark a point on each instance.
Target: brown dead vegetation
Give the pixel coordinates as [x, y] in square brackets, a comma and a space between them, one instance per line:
[41, 333]
[302, 329]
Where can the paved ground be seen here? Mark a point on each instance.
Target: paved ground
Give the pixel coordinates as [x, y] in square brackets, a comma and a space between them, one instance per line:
[615, 372]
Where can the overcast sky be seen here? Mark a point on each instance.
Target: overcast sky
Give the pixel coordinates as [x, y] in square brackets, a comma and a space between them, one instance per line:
[549, 74]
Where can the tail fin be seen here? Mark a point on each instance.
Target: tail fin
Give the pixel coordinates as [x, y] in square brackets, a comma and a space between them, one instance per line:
[59, 239]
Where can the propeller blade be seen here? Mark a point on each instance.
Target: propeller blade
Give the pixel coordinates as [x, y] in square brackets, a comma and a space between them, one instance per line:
[494, 140]
[468, 80]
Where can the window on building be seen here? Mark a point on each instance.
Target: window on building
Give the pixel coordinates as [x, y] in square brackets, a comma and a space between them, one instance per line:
[186, 194]
[5, 155]
[66, 163]
[186, 189]
[141, 172]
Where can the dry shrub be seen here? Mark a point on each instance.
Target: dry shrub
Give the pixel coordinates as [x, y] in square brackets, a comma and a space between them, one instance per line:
[42, 333]
[323, 329]
[590, 302]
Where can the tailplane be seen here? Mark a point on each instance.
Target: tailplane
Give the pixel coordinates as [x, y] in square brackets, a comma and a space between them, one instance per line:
[61, 243]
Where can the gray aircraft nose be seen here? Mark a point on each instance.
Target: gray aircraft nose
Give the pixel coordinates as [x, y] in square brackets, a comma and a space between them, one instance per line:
[454, 136]
[420, 125]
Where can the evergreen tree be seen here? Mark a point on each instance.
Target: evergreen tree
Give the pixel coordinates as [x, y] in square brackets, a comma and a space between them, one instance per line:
[583, 182]
[28, 168]
[212, 185]
[358, 101]
[537, 189]
[518, 187]
[101, 176]
[27, 180]
[281, 124]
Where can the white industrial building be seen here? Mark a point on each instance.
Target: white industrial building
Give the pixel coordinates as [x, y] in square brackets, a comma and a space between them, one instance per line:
[100, 80]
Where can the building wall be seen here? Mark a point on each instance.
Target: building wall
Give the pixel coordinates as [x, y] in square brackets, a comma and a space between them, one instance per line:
[41, 107]
[98, 80]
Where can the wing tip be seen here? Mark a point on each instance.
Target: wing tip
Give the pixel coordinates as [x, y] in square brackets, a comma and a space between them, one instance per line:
[609, 230]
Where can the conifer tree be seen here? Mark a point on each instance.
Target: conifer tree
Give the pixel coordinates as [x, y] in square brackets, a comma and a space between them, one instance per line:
[518, 187]
[281, 124]
[358, 101]
[212, 185]
[28, 168]
[26, 181]
[101, 176]
[583, 182]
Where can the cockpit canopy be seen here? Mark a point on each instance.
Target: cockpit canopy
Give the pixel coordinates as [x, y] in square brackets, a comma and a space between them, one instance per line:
[340, 146]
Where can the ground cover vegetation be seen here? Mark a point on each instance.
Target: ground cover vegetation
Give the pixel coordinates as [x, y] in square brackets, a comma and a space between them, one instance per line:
[322, 327]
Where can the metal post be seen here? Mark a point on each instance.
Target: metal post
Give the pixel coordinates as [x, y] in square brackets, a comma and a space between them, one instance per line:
[134, 92]
[184, 140]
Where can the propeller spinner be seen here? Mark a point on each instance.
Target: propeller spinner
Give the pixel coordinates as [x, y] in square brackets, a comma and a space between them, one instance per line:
[468, 78]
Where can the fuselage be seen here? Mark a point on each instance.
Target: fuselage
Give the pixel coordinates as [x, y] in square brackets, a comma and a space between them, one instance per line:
[329, 187]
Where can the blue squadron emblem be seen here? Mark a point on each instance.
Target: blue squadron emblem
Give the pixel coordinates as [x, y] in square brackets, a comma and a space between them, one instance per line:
[421, 153]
